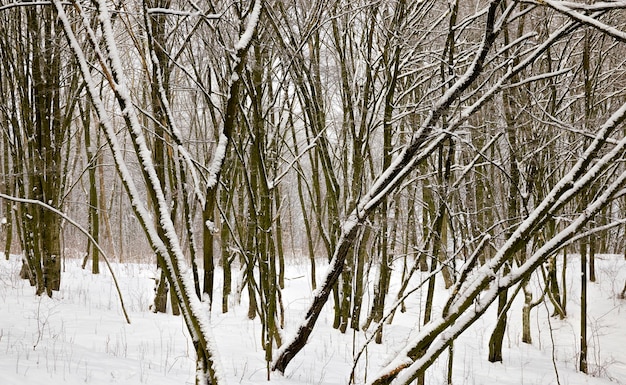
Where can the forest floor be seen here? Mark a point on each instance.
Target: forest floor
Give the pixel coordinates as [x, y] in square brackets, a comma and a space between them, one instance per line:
[80, 335]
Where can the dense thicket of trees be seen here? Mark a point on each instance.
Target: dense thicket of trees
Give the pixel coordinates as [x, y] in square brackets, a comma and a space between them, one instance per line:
[474, 141]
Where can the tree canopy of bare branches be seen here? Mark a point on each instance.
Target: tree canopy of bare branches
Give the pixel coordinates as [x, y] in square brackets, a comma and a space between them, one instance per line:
[472, 141]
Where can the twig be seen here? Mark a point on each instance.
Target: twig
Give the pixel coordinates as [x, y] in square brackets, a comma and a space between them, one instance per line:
[82, 230]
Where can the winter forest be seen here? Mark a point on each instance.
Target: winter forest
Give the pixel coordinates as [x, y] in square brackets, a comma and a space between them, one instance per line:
[377, 178]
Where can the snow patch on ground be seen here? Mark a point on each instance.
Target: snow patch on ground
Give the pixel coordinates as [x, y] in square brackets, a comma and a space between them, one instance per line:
[80, 335]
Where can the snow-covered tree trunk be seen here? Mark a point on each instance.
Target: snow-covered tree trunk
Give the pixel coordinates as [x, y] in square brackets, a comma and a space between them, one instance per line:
[36, 120]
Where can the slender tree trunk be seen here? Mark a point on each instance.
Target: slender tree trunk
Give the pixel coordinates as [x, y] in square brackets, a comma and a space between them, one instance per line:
[280, 252]
[226, 266]
[9, 187]
[359, 286]
[582, 363]
[450, 363]
[564, 282]
[94, 217]
[592, 259]
[583, 367]
[208, 246]
[159, 79]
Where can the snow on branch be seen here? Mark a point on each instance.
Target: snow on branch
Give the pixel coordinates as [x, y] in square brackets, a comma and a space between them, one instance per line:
[218, 160]
[567, 8]
[192, 308]
[437, 335]
[595, 7]
[418, 148]
[26, 4]
[175, 12]
[536, 78]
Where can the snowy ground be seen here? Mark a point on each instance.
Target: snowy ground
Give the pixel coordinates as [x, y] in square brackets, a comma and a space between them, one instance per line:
[80, 336]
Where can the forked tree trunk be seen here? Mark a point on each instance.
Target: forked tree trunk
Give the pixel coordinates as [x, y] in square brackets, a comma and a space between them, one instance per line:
[564, 282]
[226, 267]
[585, 243]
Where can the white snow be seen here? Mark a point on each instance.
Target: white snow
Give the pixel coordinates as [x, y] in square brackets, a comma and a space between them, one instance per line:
[210, 225]
[80, 336]
[253, 20]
